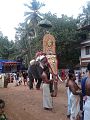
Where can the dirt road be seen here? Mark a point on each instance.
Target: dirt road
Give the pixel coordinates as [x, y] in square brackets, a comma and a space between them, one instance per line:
[25, 104]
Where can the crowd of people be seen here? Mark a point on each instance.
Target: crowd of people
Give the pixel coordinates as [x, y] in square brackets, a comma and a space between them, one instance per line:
[18, 78]
[78, 88]
[78, 92]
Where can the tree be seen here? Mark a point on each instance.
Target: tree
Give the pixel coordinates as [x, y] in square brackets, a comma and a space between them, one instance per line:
[26, 32]
[34, 15]
[67, 38]
[23, 41]
[6, 48]
[84, 18]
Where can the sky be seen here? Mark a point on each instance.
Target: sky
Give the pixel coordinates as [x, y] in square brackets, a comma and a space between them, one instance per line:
[12, 12]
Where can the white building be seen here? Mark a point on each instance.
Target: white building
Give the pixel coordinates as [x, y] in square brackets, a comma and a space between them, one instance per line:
[85, 54]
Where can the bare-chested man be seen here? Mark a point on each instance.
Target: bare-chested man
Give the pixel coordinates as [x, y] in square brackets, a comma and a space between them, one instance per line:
[74, 97]
[45, 75]
[87, 102]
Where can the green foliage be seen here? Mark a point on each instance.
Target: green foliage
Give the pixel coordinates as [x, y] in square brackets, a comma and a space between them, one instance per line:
[4, 47]
[64, 29]
[26, 38]
[7, 48]
[29, 36]
[67, 38]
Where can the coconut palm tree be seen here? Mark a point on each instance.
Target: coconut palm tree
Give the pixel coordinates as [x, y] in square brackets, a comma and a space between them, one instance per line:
[33, 16]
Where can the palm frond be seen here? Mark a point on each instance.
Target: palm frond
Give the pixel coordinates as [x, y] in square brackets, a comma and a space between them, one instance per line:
[28, 18]
[27, 13]
[41, 15]
[30, 7]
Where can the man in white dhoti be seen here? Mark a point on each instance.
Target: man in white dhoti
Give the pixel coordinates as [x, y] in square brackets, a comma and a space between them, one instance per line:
[47, 99]
[87, 109]
[87, 102]
[68, 98]
[75, 106]
[74, 97]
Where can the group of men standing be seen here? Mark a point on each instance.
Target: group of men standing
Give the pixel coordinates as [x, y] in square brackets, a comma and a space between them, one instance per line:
[78, 96]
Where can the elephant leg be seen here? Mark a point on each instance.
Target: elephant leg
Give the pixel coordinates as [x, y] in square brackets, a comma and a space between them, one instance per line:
[30, 82]
[39, 80]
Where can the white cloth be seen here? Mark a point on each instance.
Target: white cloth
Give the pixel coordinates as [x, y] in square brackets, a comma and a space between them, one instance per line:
[69, 101]
[47, 99]
[76, 78]
[75, 106]
[32, 62]
[87, 109]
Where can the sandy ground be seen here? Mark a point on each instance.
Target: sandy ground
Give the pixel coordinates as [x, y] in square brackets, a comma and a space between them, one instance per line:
[25, 104]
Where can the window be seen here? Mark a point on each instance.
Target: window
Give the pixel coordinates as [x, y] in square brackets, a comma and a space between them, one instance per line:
[87, 50]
